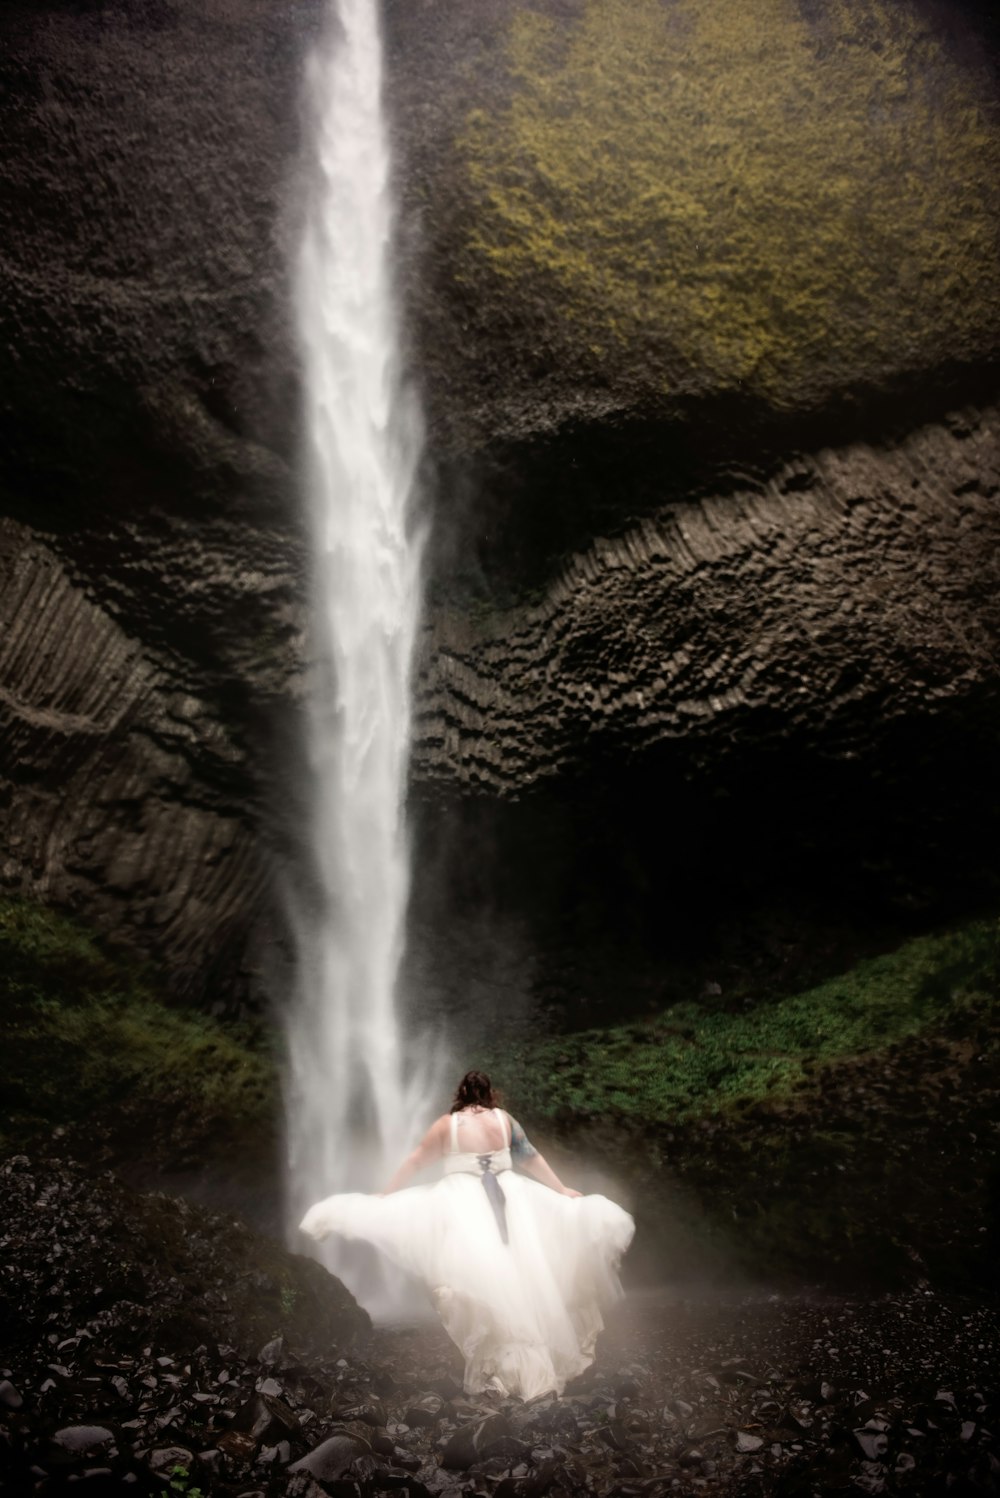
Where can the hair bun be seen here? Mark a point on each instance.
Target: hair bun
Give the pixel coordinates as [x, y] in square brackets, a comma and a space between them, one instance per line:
[475, 1091]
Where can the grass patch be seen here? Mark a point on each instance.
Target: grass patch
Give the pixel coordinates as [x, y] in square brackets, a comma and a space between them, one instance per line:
[691, 1062]
[86, 1038]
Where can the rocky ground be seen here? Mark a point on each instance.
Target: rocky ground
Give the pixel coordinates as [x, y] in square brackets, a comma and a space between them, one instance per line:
[148, 1346]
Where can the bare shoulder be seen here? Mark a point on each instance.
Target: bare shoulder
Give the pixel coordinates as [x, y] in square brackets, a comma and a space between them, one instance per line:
[435, 1140]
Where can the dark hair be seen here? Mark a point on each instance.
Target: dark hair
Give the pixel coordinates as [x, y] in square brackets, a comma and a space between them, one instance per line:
[475, 1091]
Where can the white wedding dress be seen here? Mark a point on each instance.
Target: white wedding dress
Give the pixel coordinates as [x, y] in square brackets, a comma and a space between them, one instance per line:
[525, 1313]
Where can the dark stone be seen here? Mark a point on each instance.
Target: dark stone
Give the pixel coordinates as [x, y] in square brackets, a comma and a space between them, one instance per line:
[332, 1458]
[425, 1412]
[304, 1485]
[264, 1418]
[271, 1354]
[163, 1458]
[745, 1441]
[471, 1442]
[238, 1445]
[369, 1412]
[82, 1439]
[9, 1396]
[402, 1458]
[506, 1448]
[446, 1386]
[874, 1443]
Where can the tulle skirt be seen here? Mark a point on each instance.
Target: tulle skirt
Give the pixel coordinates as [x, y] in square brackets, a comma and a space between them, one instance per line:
[524, 1314]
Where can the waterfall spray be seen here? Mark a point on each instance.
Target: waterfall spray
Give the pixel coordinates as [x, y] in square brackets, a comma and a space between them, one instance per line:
[353, 1099]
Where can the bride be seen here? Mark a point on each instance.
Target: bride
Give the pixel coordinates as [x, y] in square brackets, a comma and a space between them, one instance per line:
[517, 1264]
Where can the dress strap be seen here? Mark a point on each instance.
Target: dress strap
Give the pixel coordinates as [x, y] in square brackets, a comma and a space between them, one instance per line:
[453, 1126]
[504, 1123]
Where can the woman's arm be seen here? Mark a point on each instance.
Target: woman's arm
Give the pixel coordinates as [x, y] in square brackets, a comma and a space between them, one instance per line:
[538, 1167]
[430, 1148]
[527, 1158]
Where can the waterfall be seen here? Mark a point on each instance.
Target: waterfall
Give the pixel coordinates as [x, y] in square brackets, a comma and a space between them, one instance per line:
[354, 1099]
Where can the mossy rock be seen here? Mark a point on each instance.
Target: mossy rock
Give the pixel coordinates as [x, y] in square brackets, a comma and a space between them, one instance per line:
[727, 1052]
[843, 1135]
[92, 1045]
[660, 201]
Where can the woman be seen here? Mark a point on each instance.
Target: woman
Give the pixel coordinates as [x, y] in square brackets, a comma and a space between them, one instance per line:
[518, 1265]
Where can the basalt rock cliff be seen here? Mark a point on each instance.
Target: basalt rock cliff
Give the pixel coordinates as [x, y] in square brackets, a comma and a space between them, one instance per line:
[705, 304]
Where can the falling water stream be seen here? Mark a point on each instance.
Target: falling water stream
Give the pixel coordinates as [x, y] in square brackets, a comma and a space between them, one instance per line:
[354, 1098]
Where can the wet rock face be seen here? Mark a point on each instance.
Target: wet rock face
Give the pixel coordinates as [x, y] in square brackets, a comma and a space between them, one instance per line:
[635, 220]
[126, 787]
[618, 569]
[148, 553]
[823, 601]
[731, 726]
[143, 286]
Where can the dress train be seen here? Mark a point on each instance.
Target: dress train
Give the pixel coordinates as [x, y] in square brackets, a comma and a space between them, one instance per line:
[525, 1314]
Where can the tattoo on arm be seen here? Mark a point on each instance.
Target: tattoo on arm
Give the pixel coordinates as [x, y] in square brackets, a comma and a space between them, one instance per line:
[521, 1147]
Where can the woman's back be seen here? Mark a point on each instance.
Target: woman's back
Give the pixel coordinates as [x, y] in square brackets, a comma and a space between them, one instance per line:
[480, 1131]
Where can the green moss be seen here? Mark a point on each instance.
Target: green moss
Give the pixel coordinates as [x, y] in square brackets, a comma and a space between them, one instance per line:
[85, 1036]
[691, 1062]
[751, 194]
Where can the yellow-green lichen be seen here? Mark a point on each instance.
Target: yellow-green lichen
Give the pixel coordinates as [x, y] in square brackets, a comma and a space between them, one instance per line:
[750, 193]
